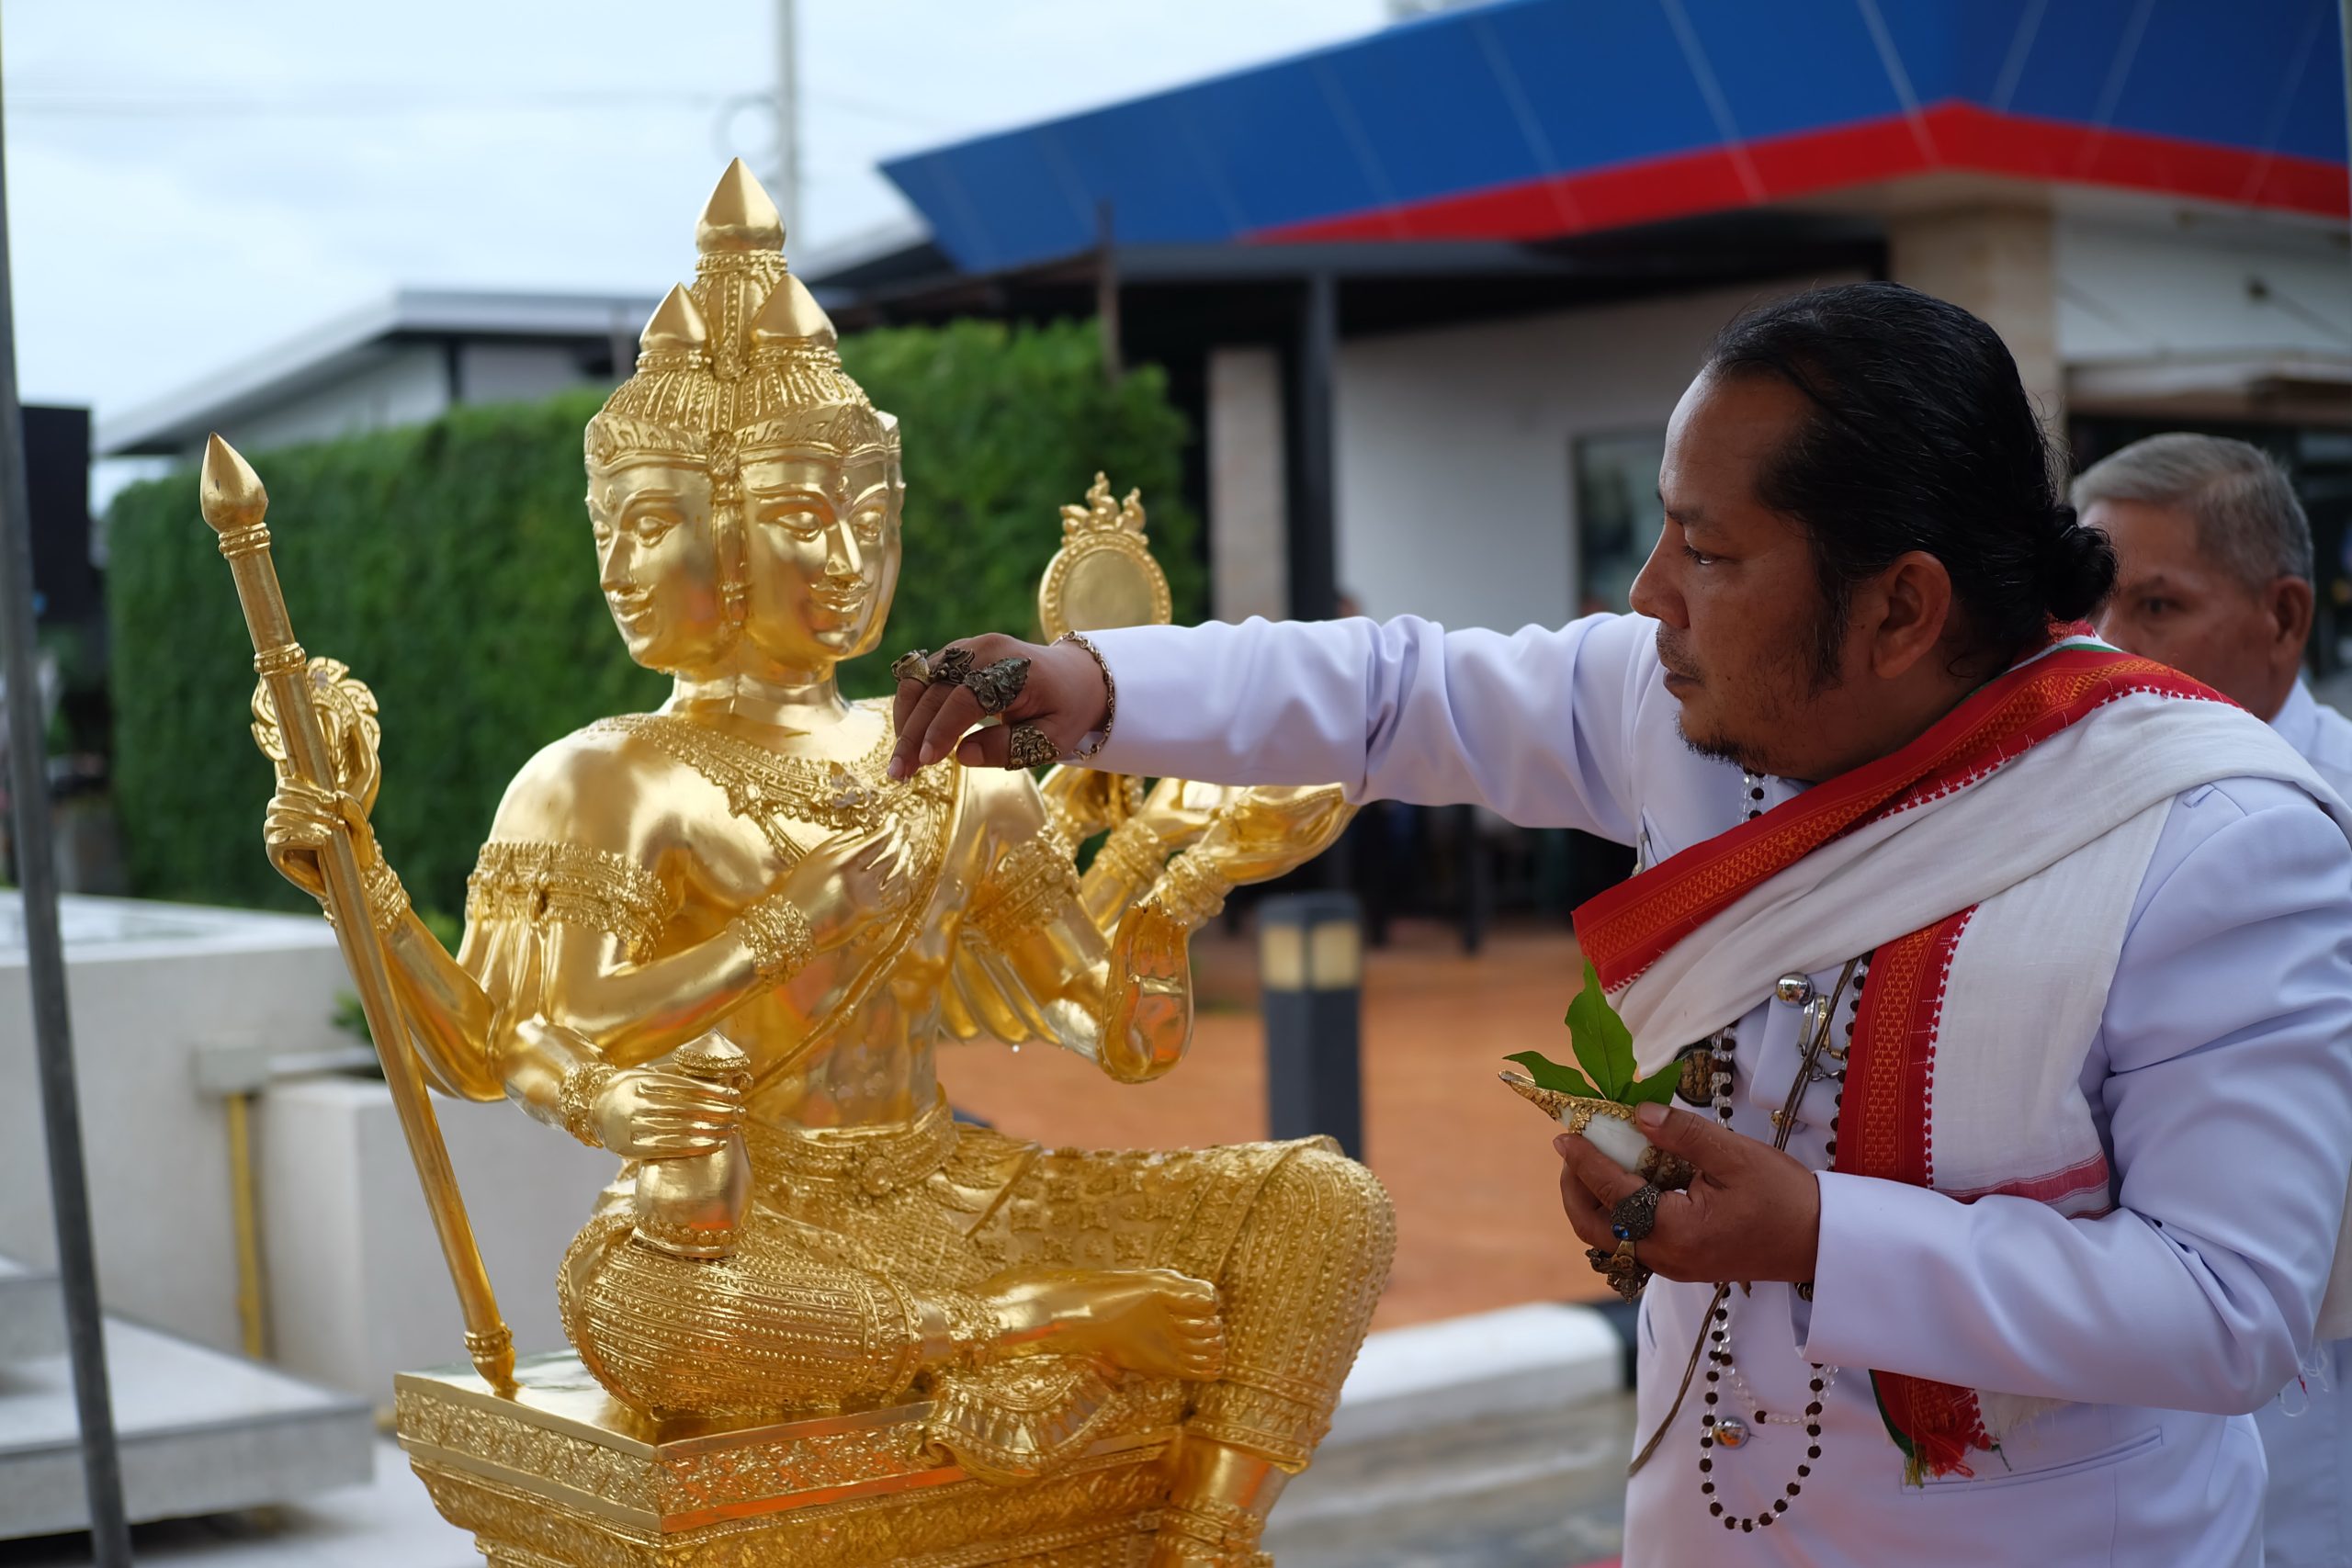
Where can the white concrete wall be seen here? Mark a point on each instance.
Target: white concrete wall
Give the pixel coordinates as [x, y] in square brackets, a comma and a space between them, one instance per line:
[2130, 291]
[514, 372]
[148, 986]
[1456, 498]
[355, 1285]
[408, 386]
[1998, 263]
[358, 1289]
[1248, 506]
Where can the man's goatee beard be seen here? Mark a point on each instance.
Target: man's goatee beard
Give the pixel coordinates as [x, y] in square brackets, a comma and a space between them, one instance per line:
[1719, 749]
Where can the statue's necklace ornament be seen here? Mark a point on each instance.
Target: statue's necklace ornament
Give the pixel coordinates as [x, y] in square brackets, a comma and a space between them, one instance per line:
[770, 788]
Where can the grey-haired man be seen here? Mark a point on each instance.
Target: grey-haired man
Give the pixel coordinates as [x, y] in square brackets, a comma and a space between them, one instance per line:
[2214, 577]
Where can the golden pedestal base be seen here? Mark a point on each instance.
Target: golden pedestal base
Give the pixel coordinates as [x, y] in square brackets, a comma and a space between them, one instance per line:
[563, 1476]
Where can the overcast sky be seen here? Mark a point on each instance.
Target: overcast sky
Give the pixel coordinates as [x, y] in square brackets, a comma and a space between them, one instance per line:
[190, 181]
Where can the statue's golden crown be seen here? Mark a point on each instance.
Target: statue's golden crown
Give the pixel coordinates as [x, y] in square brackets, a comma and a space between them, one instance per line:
[740, 363]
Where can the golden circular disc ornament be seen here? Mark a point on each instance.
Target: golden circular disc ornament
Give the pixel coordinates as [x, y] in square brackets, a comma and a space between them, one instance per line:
[1103, 576]
[346, 711]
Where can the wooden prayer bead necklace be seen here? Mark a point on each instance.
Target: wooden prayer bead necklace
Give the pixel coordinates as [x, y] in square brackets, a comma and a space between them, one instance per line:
[1730, 1431]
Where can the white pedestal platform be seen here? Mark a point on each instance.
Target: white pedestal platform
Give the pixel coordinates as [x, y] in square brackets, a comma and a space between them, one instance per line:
[201, 1432]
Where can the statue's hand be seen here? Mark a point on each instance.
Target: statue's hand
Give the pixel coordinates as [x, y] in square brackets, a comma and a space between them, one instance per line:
[1178, 811]
[1153, 1321]
[301, 821]
[848, 884]
[1265, 831]
[1149, 1020]
[1087, 801]
[646, 1113]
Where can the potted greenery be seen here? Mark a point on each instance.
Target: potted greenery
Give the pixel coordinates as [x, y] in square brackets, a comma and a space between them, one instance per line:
[1597, 1097]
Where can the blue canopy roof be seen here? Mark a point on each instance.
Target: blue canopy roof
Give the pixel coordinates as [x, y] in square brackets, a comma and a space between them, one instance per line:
[1530, 118]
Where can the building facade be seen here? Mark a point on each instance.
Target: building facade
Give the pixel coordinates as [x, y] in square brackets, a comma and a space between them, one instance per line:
[1431, 295]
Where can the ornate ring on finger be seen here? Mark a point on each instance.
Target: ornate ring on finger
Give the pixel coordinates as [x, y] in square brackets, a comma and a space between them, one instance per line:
[1635, 1215]
[912, 665]
[1626, 1275]
[1029, 747]
[997, 685]
[951, 665]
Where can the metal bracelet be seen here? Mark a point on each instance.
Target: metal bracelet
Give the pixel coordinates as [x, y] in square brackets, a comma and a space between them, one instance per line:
[779, 937]
[1133, 853]
[575, 1100]
[387, 899]
[1101, 737]
[1189, 893]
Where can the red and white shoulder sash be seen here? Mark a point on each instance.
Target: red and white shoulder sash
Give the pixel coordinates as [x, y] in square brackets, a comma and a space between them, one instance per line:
[1992, 865]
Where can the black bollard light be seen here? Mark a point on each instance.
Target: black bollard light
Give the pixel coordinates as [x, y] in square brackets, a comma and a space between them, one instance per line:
[1310, 964]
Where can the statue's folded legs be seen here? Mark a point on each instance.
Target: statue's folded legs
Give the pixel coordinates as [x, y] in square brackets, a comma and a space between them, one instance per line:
[804, 1319]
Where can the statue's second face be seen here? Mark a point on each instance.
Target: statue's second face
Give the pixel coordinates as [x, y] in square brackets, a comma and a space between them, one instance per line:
[821, 551]
[657, 565]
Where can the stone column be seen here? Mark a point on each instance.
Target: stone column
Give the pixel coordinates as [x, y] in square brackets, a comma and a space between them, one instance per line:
[1999, 264]
[1248, 506]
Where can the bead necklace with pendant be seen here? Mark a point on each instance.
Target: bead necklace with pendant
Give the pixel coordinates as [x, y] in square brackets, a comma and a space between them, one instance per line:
[1727, 1431]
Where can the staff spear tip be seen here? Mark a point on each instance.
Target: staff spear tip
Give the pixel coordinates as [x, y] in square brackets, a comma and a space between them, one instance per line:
[231, 495]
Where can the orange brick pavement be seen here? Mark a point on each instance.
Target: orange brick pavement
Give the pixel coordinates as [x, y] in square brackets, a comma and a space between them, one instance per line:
[1470, 1164]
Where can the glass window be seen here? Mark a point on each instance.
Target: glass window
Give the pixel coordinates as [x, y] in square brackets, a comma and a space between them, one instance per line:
[1617, 514]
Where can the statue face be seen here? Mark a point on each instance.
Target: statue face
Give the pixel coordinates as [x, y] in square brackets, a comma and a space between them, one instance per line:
[657, 565]
[820, 554]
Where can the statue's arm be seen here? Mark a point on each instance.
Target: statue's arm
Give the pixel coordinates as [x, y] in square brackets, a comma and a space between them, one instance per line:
[448, 1016]
[574, 919]
[1034, 964]
[1171, 818]
[451, 1019]
[1119, 979]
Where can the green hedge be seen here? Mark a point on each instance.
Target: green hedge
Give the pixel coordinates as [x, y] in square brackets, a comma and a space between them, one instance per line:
[449, 566]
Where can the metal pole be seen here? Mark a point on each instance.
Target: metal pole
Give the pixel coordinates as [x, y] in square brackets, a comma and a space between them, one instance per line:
[69, 1192]
[1314, 529]
[1106, 292]
[1478, 884]
[1310, 967]
[2343, 37]
[788, 122]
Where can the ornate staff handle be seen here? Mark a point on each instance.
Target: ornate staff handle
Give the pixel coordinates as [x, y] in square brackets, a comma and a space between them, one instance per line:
[234, 503]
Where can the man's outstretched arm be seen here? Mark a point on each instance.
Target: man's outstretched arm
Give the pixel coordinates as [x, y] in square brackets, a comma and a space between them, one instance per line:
[1536, 725]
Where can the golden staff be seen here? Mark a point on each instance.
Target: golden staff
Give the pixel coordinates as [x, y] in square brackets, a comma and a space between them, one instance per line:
[234, 503]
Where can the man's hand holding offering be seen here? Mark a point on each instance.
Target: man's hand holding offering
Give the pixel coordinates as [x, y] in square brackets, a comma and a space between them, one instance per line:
[1752, 1213]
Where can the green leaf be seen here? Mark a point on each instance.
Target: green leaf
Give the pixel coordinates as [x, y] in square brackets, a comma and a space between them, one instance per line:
[1550, 1075]
[1604, 1046]
[1658, 1088]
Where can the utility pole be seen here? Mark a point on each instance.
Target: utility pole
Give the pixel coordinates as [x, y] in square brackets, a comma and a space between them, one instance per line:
[69, 1191]
[1106, 290]
[787, 183]
[2344, 36]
